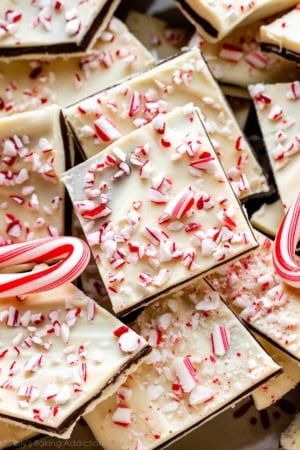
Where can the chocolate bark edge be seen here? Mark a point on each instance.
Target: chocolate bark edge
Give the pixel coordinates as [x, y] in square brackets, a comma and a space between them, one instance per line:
[267, 338]
[198, 19]
[281, 51]
[129, 313]
[73, 417]
[65, 48]
[214, 414]
[68, 145]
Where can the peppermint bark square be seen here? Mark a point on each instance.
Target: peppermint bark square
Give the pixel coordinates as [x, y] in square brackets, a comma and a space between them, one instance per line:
[157, 209]
[238, 60]
[34, 151]
[64, 27]
[277, 109]
[203, 361]
[282, 36]
[106, 116]
[214, 19]
[61, 355]
[27, 84]
[253, 289]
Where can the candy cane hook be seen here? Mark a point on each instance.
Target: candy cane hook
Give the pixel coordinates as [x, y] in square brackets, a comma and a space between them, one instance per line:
[286, 239]
[66, 257]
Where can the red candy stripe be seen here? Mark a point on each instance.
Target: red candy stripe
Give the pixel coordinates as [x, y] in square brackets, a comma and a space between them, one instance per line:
[220, 340]
[231, 52]
[186, 373]
[67, 258]
[181, 203]
[286, 239]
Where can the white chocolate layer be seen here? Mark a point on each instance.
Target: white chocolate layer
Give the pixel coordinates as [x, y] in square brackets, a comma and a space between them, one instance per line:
[161, 39]
[238, 60]
[33, 152]
[235, 60]
[277, 107]
[61, 354]
[157, 209]
[226, 15]
[32, 84]
[284, 34]
[268, 218]
[175, 82]
[274, 389]
[191, 375]
[32, 25]
[253, 289]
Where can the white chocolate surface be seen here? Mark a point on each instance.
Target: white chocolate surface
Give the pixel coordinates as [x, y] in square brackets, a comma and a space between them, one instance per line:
[175, 82]
[283, 32]
[268, 218]
[277, 107]
[157, 209]
[253, 289]
[32, 158]
[238, 60]
[32, 84]
[60, 351]
[274, 389]
[161, 39]
[226, 15]
[235, 60]
[164, 398]
[33, 24]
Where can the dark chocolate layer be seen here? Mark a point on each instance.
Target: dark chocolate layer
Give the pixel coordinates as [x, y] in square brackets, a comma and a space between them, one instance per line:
[68, 149]
[281, 51]
[197, 18]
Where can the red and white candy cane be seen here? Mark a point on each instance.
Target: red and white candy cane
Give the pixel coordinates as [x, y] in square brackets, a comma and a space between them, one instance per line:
[66, 256]
[286, 239]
